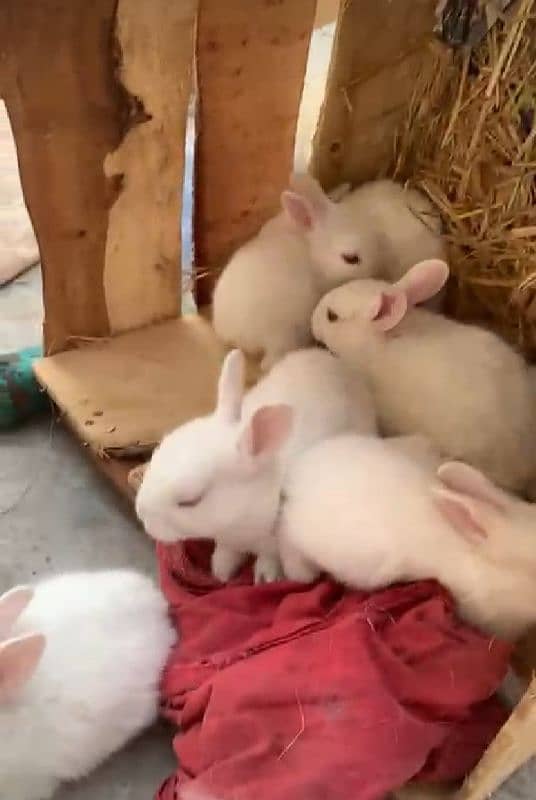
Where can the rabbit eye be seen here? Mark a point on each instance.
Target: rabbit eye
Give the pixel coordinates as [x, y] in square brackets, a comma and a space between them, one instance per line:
[190, 503]
[332, 316]
[351, 258]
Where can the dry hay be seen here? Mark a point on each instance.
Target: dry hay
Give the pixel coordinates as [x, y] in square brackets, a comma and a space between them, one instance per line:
[469, 141]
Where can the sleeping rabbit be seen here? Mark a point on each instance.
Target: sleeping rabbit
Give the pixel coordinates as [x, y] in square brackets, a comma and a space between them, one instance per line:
[460, 385]
[80, 661]
[216, 478]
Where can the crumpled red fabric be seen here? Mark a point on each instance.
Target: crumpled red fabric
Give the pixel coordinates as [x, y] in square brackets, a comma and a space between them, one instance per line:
[317, 692]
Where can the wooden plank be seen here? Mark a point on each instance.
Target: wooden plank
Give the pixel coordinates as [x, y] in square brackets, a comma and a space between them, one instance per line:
[121, 396]
[60, 94]
[513, 746]
[142, 262]
[379, 47]
[100, 160]
[251, 60]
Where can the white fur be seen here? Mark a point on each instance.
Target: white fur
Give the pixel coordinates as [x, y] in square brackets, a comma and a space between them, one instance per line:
[96, 685]
[264, 297]
[240, 490]
[458, 384]
[389, 226]
[372, 515]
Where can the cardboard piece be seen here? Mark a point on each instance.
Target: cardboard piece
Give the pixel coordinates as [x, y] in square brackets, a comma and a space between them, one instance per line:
[122, 395]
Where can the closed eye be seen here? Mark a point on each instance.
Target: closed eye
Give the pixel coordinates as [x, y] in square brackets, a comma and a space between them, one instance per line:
[351, 258]
[190, 503]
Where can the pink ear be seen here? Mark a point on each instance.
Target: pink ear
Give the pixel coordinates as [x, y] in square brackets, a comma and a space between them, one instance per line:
[267, 431]
[462, 478]
[231, 386]
[12, 604]
[424, 280]
[18, 661]
[388, 309]
[298, 209]
[462, 513]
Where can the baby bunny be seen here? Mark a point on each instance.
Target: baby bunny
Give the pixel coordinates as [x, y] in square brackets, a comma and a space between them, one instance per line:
[370, 514]
[219, 477]
[80, 662]
[264, 297]
[460, 385]
[379, 229]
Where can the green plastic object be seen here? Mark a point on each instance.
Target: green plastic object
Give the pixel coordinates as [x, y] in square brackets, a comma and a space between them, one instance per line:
[20, 395]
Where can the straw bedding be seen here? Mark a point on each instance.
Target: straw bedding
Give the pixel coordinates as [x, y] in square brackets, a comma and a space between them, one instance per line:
[469, 142]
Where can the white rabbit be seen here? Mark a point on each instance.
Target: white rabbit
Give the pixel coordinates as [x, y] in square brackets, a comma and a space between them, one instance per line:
[371, 515]
[216, 477]
[458, 384]
[264, 297]
[381, 228]
[80, 661]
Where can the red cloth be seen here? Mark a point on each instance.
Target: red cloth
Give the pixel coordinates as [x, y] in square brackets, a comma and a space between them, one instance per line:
[317, 693]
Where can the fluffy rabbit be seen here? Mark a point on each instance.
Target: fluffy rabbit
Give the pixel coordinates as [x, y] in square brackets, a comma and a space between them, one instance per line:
[264, 297]
[380, 229]
[458, 384]
[371, 515]
[216, 477]
[80, 663]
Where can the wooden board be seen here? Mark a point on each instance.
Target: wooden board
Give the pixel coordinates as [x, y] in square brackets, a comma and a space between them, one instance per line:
[379, 47]
[98, 108]
[514, 745]
[121, 396]
[251, 60]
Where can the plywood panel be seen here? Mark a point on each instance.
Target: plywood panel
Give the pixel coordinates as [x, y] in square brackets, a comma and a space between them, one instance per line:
[379, 47]
[251, 59]
[100, 153]
[123, 395]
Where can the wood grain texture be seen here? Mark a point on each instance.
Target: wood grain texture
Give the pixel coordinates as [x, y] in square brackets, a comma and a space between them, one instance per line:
[513, 746]
[378, 49]
[63, 105]
[142, 262]
[101, 160]
[251, 60]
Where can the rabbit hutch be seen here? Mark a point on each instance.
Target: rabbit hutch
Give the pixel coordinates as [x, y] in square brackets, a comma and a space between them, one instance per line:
[442, 95]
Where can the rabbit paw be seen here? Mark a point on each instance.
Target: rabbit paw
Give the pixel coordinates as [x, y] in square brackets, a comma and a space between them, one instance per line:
[225, 563]
[297, 568]
[267, 569]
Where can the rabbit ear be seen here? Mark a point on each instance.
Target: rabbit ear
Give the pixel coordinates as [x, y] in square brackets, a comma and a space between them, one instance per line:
[305, 202]
[388, 309]
[424, 280]
[460, 477]
[12, 604]
[266, 432]
[467, 516]
[231, 387]
[18, 661]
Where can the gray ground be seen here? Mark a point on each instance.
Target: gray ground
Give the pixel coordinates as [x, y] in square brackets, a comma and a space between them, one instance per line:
[57, 514]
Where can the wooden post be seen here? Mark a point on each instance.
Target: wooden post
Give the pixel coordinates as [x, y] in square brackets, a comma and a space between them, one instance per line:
[251, 60]
[97, 95]
[379, 47]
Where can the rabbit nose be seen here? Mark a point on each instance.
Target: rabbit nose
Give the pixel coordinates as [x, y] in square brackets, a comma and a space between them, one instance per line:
[331, 315]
